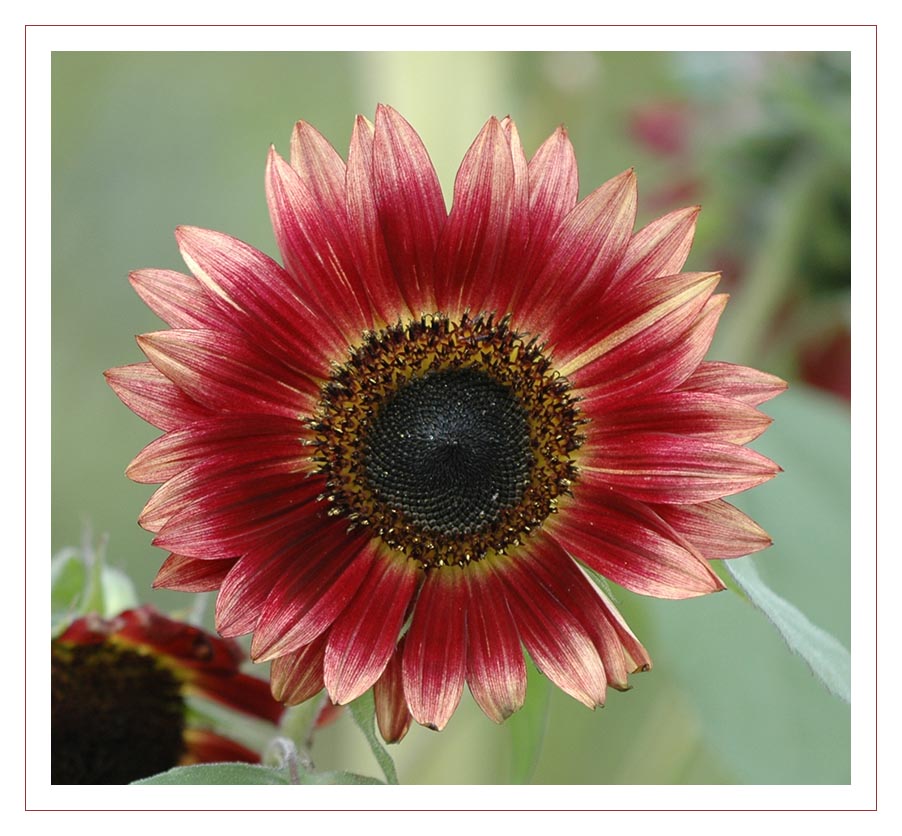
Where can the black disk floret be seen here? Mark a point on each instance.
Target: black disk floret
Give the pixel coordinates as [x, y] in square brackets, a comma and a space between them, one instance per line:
[116, 715]
[450, 439]
[451, 451]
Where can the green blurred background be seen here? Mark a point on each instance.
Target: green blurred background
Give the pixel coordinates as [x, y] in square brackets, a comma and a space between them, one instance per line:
[145, 141]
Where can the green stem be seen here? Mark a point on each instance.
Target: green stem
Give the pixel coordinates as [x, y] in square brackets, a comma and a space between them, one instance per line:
[287, 754]
[93, 558]
[363, 710]
[299, 725]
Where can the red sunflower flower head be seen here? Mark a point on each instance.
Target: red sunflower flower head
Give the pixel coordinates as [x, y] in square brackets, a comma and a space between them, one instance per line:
[394, 455]
[118, 697]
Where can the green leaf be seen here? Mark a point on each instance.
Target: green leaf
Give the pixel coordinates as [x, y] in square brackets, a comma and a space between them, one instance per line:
[337, 778]
[363, 710]
[828, 659]
[759, 710]
[118, 591]
[81, 582]
[528, 727]
[67, 583]
[807, 511]
[219, 773]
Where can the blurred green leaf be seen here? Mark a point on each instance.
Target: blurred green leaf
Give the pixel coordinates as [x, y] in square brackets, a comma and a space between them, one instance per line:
[528, 727]
[246, 773]
[828, 659]
[759, 708]
[68, 576]
[219, 773]
[81, 582]
[363, 710]
[118, 591]
[807, 508]
[337, 778]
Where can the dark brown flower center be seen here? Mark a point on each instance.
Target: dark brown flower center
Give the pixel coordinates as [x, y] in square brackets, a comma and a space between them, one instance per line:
[116, 715]
[451, 451]
[449, 439]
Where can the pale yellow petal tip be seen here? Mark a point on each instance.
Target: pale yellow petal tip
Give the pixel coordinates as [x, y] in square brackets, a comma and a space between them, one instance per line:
[629, 174]
[184, 232]
[274, 160]
[362, 122]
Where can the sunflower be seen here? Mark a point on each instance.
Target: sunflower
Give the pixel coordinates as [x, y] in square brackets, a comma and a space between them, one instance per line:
[396, 455]
[119, 689]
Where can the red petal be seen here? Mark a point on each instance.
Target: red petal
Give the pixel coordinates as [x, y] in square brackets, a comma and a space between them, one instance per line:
[227, 373]
[189, 574]
[392, 713]
[238, 691]
[204, 746]
[558, 643]
[245, 589]
[652, 317]
[596, 614]
[659, 249]
[475, 237]
[310, 223]
[152, 396]
[629, 544]
[363, 638]
[739, 382]
[366, 234]
[496, 672]
[187, 648]
[305, 603]
[716, 529]
[659, 467]
[410, 206]
[660, 361]
[221, 443]
[228, 479]
[273, 559]
[516, 255]
[635, 655]
[260, 298]
[686, 413]
[434, 664]
[298, 676]
[179, 300]
[586, 251]
[553, 190]
[318, 163]
[202, 515]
